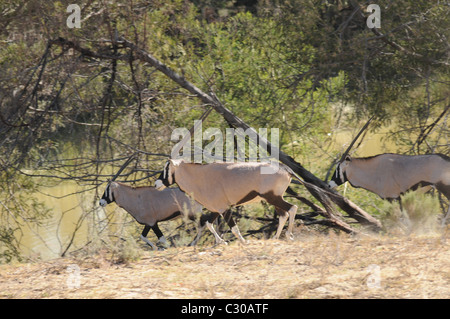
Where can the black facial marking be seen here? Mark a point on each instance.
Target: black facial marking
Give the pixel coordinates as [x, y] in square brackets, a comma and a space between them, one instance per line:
[164, 177]
[108, 195]
[337, 175]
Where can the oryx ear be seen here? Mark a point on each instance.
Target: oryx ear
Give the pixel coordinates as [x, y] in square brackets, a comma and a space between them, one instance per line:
[176, 162]
[348, 158]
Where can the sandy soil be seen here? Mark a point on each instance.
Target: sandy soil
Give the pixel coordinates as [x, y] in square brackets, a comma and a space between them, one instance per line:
[312, 266]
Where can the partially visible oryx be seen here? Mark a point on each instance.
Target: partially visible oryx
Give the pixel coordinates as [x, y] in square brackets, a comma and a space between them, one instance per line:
[150, 206]
[391, 175]
[217, 186]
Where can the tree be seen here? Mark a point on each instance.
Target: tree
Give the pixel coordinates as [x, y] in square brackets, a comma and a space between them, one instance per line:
[76, 103]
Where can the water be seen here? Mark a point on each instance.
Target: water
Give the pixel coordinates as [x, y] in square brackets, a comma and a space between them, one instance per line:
[51, 239]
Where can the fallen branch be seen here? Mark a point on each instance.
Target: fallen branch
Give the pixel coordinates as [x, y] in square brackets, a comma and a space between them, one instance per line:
[318, 188]
[321, 190]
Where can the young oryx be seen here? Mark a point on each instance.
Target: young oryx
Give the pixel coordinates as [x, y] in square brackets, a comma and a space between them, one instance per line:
[218, 186]
[390, 175]
[150, 206]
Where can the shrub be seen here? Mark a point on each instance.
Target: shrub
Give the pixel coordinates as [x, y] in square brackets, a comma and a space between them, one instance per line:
[419, 215]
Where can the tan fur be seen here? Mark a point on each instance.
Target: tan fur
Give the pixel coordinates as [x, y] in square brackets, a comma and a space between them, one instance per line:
[148, 205]
[218, 186]
[210, 184]
[390, 175]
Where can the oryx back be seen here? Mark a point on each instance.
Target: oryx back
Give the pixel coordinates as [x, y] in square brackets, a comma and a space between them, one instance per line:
[148, 205]
[390, 175]
[218, 186]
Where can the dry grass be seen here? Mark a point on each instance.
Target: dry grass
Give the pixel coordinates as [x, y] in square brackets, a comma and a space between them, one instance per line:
[312, 266]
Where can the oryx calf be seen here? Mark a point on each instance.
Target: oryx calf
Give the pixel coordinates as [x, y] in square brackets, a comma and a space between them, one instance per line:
[218, 186]
[391, 175]
[150, 206]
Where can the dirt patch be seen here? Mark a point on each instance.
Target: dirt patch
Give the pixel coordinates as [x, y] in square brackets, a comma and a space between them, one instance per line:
[311, 266]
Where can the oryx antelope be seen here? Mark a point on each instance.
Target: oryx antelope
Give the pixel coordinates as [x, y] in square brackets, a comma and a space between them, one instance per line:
[150, 206]
[391, 175]
[217, 186]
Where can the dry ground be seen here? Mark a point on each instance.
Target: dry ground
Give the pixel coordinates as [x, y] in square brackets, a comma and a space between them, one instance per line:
[312, 266]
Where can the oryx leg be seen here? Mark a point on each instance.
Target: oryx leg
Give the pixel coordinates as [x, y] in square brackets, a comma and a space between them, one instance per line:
[145, 239]
[292, 212]
[445, 190]
[399, 199]
[208, 221]
[284, 210]
[199, 234]
[213, 231]
[160, 235]
[201, 226]
[282, 218]
[232, 224]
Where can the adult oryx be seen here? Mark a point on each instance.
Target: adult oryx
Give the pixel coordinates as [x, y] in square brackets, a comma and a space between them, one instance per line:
[150, 206]
[391, 175]
[217, 186]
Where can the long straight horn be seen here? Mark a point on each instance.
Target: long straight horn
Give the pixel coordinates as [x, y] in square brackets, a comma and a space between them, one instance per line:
[123, 166]
[355, 139]
[193, 128]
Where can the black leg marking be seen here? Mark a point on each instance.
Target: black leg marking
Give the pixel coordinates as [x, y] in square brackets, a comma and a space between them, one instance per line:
[157, 231]
[400, 203]
[144, 236]
[145, 231]
[229, 218]
[208, 218]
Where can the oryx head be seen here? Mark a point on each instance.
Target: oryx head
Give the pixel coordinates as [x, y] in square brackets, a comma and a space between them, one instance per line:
[340, 174]
[108, 195]
[167, 176]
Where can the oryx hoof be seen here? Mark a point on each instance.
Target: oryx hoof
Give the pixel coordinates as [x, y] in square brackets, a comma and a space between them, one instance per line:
[148, 242]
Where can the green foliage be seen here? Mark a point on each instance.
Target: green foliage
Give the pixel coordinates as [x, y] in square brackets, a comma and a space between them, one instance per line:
[18, 209]
[305, 67]
[9, 248]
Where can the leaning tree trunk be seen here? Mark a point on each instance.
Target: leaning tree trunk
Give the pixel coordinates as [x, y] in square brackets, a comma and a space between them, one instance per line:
[318, 188]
